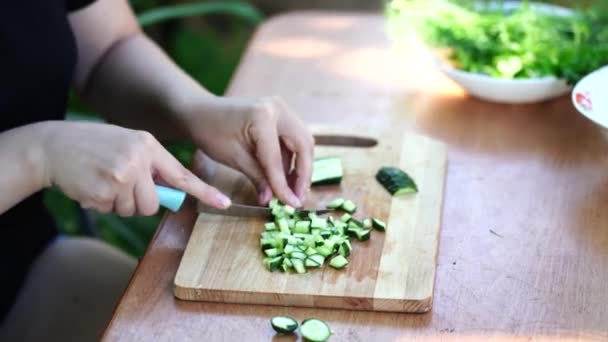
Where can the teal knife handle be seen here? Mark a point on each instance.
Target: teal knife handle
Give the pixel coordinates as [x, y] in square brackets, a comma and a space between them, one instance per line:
[169, 198]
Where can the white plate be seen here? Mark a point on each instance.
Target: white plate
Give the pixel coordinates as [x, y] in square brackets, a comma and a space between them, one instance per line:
[590, 96]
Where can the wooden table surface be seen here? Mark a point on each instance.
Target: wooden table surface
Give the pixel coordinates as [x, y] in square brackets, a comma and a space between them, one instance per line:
[524, 241]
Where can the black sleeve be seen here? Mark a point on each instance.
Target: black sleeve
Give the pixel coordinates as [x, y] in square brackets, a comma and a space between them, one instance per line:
[73, 5]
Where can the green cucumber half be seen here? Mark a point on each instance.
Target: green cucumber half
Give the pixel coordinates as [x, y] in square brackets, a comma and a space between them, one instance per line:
[284, 324]
[315, 330]
[396, 181]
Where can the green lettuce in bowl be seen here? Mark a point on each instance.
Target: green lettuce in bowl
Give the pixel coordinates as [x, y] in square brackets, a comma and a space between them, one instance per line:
[506, 51]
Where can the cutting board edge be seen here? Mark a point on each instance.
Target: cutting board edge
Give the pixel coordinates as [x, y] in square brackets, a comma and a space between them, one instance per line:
[304, 300]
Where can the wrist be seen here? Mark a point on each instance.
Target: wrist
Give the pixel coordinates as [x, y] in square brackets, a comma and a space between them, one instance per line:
[208, 114]
[37, 153]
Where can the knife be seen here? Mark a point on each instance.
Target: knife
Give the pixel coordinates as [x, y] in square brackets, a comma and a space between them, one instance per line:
[173, 200]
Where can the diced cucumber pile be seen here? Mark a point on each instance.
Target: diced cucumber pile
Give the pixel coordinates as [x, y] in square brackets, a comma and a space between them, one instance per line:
[296, 243]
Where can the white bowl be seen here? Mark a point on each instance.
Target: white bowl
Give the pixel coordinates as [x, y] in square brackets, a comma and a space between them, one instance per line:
[515, 91]
[512, 91]
[589, 97]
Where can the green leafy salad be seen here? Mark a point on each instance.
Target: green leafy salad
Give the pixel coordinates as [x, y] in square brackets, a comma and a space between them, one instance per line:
[508, 42]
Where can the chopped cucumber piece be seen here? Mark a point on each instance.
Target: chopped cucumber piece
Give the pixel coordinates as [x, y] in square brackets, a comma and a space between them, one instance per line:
[315, 330]
[318, 258]
[270, 226]
[349, 206]
[302, 227]
[289, 210]
[345, 218]
[272, 252]
[298, 255]
[311, 263]
[298, 265]
[318, 222]
[273, 203]
[283, 225]
[310, 251]
[343, 250]
[287, 262]
[288, 249]
[325, 250]
[363, 234]
[272, 264]
[335, 204]
[396, 181]
[327, 171]
[338, 262]
[353, 231]
[339, 224]
[379, 225]
[355, 223]
[331, 220]
[367, 223]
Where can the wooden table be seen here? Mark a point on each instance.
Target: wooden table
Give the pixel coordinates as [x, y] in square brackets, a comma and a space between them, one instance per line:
[524, 240]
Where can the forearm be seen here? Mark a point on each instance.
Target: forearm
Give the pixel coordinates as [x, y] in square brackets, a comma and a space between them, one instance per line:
[22, 171]
[136, 85]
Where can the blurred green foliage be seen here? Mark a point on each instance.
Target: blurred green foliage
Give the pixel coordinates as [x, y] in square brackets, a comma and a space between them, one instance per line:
[207, 40]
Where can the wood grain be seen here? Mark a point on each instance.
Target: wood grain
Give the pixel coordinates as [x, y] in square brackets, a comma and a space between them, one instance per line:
[393, 271]
[536, 175]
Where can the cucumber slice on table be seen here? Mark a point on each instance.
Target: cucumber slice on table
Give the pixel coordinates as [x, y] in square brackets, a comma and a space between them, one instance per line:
[315, 330]
[396, 181]
[284, 324]
[327, 171]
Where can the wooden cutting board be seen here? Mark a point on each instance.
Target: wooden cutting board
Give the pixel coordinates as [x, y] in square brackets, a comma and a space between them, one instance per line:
[393, 271]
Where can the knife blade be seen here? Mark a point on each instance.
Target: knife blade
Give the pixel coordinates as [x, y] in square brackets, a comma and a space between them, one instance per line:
[242, 210]
[173, 200]
[344, 140]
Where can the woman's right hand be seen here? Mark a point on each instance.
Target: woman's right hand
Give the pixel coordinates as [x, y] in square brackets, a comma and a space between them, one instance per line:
[110, 168]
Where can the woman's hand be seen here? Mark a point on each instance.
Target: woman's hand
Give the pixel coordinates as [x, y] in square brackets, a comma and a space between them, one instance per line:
[110, 168]
[260, 138]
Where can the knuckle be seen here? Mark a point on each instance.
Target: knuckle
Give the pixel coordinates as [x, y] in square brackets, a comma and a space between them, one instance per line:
[126, 209]
[121, 173]
[102, 195]
[104, 208]
[150, 207]
[264, 111]
[182, 178]
[145, 138]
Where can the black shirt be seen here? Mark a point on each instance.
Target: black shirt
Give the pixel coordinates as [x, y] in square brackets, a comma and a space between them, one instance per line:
[37, 59]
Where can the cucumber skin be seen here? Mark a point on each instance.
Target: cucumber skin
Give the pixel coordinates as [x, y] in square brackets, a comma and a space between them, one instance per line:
[281, 330]
[396, 181]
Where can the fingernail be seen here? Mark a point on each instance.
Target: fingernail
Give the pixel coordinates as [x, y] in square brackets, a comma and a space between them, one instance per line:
[222, 201]
[294, 200]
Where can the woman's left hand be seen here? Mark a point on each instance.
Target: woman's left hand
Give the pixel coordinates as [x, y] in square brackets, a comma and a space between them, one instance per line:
[260, 138]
